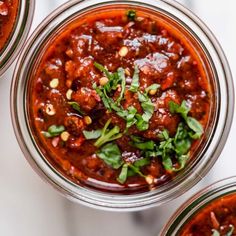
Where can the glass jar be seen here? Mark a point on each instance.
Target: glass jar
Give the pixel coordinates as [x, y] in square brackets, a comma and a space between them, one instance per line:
[216, 66]
[18, 35]
[202, 199]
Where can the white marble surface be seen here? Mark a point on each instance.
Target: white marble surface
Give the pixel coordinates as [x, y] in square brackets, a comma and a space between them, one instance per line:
[28, 206]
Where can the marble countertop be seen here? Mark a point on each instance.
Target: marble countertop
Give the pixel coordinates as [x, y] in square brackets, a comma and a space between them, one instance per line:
[28, 206]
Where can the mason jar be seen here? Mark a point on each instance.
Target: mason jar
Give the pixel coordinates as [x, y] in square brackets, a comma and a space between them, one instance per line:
[216, 68]
[18, 34]
[196, 204]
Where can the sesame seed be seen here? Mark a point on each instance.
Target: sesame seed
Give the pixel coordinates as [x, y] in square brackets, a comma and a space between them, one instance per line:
[123, 51]
[69, 94]
[54, 83]
[103, 81]
[65, 136]
[50, 110]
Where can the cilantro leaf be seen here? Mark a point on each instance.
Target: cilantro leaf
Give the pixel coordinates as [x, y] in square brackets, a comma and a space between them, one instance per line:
[138, 143]
[131, 14]
[108, 135]
[215, 232]
[123, 174]
[121, 74]
[94, 134]
[104, 70]
[192, 123]
[76, 107]
[152, 87]
[135, 81]
[111, 155]
[53, 131]
[195, 126]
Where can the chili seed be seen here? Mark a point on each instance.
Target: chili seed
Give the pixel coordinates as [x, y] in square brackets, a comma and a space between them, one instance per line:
[88, 120]
[127, 71]
[123, 51]
[149, 179]
[103, 81]
[54, 83]
[69, 94]
[153, 91]
[50, 110]
[65, 136]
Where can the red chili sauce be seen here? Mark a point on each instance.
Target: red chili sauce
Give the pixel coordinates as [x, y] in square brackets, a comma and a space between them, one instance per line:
[8, 13]
[132, 77]
[216, 219]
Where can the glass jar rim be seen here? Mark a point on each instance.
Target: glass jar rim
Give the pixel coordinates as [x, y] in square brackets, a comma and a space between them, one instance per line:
[18, 35]
[136, 201]
[210, 193]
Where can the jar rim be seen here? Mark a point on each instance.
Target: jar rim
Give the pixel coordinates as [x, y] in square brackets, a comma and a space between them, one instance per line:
[18, 35]
[207, 195]
[136, 201]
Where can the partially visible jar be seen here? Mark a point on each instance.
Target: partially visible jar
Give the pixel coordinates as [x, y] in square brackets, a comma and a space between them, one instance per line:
[16, 33]
[204, 204]
[217, 131]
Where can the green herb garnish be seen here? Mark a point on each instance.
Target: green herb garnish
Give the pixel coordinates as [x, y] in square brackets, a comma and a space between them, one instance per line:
[130, 115]
[108, 135]
[111, 155]
[217, 233]
[121, 75]
[148, 108]
[129, 169]
[94, 134]
[131, 14]
[135, 81]
[152, 87]
[193, 124]
[53, 131]
[76, 107]
[123, 174]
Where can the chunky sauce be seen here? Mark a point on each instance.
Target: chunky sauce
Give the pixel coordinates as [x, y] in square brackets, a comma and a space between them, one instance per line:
[216, 219]
[8, 13]
[71, 93]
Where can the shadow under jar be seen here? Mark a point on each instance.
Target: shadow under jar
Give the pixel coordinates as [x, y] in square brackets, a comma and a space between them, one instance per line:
[122, 106]
[212, 212]
[15, 21]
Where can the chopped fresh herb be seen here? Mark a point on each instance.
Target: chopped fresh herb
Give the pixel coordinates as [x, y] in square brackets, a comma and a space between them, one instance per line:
[108, 135]
[217, 233]
[148, 108]
[152, 87]
[104, 70]
[76, 107]
[193, 124]
[121, 74]
[135, 81]
[132, 169]
[182, 141]
[182, 109]
[94, 134]
[111, 155]
[142, 162]
[177, 147]
[123, 174]
[53, 131]
[230, 233]
[131, 14]
[105, 99]
[138, 143]
[141, 123]
[130, 118]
